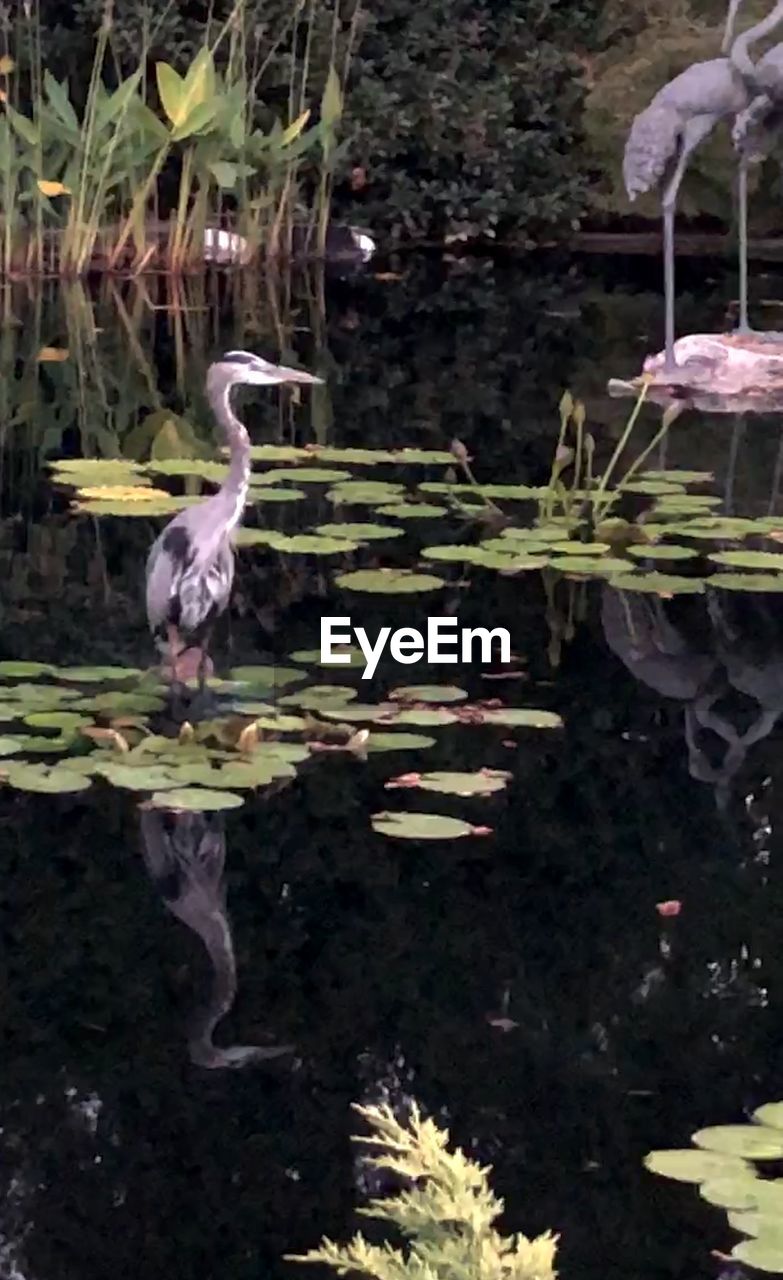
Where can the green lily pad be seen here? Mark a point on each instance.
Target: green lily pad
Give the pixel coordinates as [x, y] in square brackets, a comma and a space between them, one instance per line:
[146, 510]
[747, 581]
[273, 494]
[302, 475]
[521, 717]
[319, 695]
[266, 677]
[420, 826]
[661, 551]
[601, 565]
[751, 1141]
[653, 487]
[215, 472]
[399, 742]
[425, 717]
[660, 584]
[368, 493]
[25, 670]
[428, 693]
[749, 559]
[770, 1114]
[458, 553]
[137, 777]
[679, 476]
[312, 544]
[545, 534]
[95, 471]
[276, 453]
[696, 1166]
[452, 783]
[388, 581]
[413, 511]
[10, 746]
[256, 537]
[40, 778]
[196, 799]
[753, 1223]
[312, 657]
[573, 548]
[764, 1254]
[507, 548]
[38, 696]
[358, 712]
[358, 532]
[742, 1191]
[119, 703]
[63, 720]
[281, 723]
[97, 675]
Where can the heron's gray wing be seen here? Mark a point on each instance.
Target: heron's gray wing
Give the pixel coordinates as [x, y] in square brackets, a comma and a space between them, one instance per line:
[162, 575]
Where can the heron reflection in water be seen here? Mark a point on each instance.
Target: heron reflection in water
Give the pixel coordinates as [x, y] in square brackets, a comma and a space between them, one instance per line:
[190, 569]
[184, 853]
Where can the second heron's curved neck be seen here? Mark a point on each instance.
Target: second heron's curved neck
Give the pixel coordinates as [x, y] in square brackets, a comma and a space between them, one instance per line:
[236, 483]
[740, 55]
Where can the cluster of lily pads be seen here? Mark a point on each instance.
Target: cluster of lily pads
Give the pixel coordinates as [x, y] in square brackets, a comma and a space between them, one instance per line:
[678, 526]
[729, 1166]
[66, 727]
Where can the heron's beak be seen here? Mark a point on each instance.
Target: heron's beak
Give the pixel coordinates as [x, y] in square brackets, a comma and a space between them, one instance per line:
[297, 375]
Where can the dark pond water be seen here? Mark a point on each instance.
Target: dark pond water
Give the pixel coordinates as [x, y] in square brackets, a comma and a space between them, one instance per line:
[391, 965]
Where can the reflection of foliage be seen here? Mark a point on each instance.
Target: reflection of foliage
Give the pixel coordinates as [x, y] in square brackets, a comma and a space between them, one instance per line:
[447, 1214]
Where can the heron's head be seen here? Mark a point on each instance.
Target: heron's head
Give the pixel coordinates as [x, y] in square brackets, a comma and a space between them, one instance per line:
[244, 367]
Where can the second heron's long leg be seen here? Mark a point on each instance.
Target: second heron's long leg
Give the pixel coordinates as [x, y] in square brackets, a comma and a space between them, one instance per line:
[742, 199]
[695, 131]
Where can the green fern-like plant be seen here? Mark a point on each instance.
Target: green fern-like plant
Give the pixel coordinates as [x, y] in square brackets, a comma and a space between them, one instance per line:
[446, 1215]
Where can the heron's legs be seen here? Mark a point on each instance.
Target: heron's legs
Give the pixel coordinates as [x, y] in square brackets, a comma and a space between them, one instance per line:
[742, 193]
[695, 131]
[175, 649]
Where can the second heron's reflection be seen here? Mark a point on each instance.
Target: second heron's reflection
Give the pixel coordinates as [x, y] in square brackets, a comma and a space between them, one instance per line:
[730, 677]
[184, 853]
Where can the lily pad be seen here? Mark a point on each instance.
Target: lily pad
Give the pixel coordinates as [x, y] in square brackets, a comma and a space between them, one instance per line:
[75, 471]
[312, 544]
[481, 783]
[413, 511]
[196, 799]
[399, 742]
[266, 677]
[312, 657]
[770, 1114]
[747, 581]
[97, 675]
[319, 695]
[743, 1192]
[661, 551]
[545, 534]
[753, 1223]
[40, 778]
[256, 537]
[369, 493]
[678, 476]
[751, 1141]
[428, 693]
[695, 1166]
[119, 702]
[653, 487]
[590, 564]
[458, 553]
[507, 548]
[215, 472]
[749, 559]
[25, 670]
[38, 696]
[660, 584]
[574, 548]
[763, 1254]
[388, 581]
[420, 826]
[62, 720]
[281, 723]
[425, 717]
[358, 712]
[10, 746]
[521, 717]
[273, 494]
[358, 532]
[302, 475]
[137, 777]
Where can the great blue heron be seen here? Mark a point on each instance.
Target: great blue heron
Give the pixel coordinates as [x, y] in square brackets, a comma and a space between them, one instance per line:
[190, 569]
[664, 136]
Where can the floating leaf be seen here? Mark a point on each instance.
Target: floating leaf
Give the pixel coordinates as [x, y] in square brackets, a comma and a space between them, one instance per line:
[661, 584]
[413, 511]
[695, 1166]
[763, 1254]
[521, 717]
[215, 472]
[770, 1114]
[317, 695]
[425, 717]
[679, 477]
[279, 723]
[117, 703]
[359, 532]
[303, 475]
[398, 742]
[256, 537]
[9, 746]
[312, 545]
[749, 559]
[273, 494]
[420, 826]
[312, 657]
[38, 696]
[573, 548]
[428, 693]
[458, 553]
[137, 777]
[123, 493]
[751, 1141]
[266, 677]
[369, 493]
[508, 548]
[544, 534]
[452, 783]
[753, 1223]
[23, 670]
[653, 487]
[38, 777]
[590, 564]
[661, 551]
[742, 1191]
[388, 581]
[97, 675]
[62, 720]
[693, 504]
[359, 712]
[196, 799]
[747, 581]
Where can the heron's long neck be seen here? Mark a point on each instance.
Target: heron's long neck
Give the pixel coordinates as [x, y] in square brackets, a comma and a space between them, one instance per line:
[235, 486]
[740, 56]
